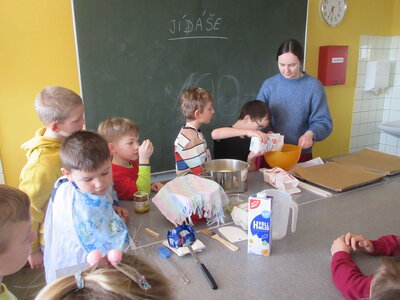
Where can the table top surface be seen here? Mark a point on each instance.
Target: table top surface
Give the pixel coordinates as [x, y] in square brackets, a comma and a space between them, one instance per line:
[299, 264]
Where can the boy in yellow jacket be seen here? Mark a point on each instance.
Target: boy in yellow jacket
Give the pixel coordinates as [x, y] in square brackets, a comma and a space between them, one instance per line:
[62, 112]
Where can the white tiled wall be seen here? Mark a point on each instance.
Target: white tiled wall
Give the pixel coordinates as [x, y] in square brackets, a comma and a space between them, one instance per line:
[371, 109]
[1, 174]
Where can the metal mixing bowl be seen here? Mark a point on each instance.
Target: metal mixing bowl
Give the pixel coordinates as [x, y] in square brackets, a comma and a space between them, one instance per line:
[231, 174]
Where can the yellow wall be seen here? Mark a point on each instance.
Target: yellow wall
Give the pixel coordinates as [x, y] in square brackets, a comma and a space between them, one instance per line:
[37, 49]
[363, 17]
[396, 18]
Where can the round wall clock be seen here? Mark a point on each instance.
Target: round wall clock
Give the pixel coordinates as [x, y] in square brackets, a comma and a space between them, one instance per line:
[333, 11]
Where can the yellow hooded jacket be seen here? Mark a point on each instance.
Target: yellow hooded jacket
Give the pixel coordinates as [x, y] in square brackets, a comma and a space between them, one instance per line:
[38, 176]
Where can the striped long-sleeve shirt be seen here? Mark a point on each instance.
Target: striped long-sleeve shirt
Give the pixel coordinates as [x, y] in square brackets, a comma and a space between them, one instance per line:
[191, 151]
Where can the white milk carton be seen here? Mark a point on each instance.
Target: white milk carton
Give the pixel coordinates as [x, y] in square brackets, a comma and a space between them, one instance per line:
[259, 224]
[275, 143]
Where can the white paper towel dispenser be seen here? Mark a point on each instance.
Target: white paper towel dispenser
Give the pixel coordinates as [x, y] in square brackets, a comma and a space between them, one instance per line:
[377, 75]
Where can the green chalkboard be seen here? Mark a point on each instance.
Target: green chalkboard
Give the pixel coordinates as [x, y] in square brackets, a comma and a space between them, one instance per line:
[136, 56]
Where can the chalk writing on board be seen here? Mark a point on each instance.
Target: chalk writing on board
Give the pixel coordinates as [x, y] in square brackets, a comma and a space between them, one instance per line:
[217, 90]
[205, 26]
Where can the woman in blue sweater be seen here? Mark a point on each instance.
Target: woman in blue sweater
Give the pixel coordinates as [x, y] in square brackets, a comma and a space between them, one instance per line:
[297, 101]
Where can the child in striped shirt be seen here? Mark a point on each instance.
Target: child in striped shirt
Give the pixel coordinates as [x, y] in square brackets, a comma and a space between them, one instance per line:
[191, 149]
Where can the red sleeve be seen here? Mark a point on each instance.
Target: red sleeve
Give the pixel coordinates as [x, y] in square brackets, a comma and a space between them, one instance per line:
[125, 181]
[348, 278]
[197, 170]
[388, 245]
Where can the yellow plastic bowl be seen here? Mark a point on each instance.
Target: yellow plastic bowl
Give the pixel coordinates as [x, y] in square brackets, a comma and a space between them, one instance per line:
[285, 159]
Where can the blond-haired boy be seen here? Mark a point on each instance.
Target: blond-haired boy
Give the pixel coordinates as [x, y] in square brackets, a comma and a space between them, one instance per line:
[191, 149]
[130, 161]
[62, 112]
[16, 235]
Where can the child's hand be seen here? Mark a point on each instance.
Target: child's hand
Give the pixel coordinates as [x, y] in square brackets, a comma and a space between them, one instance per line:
[155, 187]
[35, 260]
[251, 159]
[358, 242]
[261, 135]
[340, 245]
[253, 155]
[121, 212]
[145, 151]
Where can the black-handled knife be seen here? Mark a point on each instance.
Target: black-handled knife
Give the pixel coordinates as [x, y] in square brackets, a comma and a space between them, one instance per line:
[207, 273]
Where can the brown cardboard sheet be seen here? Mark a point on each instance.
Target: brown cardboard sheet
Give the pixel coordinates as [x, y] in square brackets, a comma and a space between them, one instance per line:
[371, 160]
[337, 177]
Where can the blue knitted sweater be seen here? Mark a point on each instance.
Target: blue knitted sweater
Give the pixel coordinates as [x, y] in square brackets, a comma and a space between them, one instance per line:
[297, 105]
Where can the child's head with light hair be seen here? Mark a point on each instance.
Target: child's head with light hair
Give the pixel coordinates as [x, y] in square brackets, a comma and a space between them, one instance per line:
[107, 282]
[112, 129]
[16, 234]
[122, 136]
[385, 283]
[194, 99]
[54, 104]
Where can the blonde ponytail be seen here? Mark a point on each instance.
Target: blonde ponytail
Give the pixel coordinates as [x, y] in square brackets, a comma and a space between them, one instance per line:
[107, 282]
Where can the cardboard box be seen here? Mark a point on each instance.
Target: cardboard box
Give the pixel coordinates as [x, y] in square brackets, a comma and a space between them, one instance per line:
[259, 224]
[338, 177]
[372, 160]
